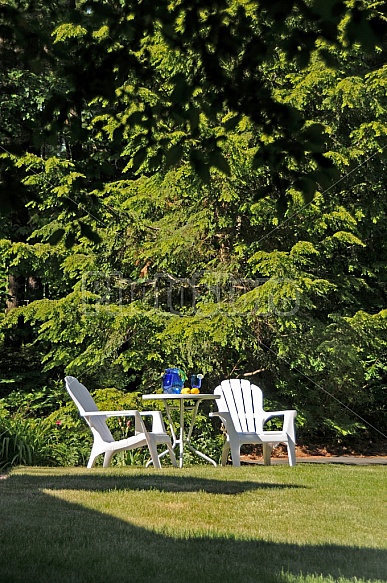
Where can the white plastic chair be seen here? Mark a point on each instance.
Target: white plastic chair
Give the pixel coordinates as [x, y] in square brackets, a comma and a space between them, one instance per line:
[104, 442]
[240, 408]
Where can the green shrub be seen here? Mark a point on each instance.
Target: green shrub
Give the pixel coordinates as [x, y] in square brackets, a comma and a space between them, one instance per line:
[63, 438]
[41, 441]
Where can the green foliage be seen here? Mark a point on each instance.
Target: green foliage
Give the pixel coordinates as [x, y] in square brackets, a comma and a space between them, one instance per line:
[39, 442]
[199, 186]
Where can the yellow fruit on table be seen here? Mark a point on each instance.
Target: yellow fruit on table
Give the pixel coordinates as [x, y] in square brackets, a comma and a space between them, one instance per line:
[185, 391]
[195, 391]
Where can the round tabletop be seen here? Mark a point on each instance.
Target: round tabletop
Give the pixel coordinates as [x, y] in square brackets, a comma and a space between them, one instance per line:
[181, 397]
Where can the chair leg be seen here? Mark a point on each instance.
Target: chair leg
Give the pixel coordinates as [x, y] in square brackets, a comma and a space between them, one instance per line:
[153, 452]
[291, 453]
[91, 462]
[225, 450]
[92, 459]
[107, 459]
[235, 454]
[267, 454]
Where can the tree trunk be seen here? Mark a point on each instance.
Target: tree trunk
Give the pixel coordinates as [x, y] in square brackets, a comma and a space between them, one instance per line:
[14, 287]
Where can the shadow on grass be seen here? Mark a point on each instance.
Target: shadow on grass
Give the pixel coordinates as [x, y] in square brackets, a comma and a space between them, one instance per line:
[148, 481]
[44, 539]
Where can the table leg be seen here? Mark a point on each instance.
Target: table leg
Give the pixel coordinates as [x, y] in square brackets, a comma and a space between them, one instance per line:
[176, 440]
[181, 434]
[182, 440]
[171, 426]
[188, 440]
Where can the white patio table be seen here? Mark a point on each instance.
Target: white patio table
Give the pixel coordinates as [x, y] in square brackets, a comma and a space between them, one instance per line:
[183, 403]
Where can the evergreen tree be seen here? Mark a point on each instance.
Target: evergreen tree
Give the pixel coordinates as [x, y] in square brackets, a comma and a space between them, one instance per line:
[197, 197]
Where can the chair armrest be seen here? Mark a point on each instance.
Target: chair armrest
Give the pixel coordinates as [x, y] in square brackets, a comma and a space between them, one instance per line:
[127, 413]
[288, 422]
[157, 420]
[227, 420]
[139, 426]
[288, 413]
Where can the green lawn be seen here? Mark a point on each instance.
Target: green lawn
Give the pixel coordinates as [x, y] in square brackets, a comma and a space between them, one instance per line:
[201, 524]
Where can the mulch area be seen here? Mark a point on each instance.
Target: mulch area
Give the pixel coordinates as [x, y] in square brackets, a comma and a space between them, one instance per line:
[370, 453]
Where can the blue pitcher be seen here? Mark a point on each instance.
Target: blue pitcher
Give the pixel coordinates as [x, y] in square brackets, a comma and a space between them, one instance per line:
[173, 381]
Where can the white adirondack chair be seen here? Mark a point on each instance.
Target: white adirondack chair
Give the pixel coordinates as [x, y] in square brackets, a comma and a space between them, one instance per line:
[240, 408]
[104, 442]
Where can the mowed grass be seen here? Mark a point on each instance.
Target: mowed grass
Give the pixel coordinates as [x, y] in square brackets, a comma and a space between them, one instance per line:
[254, 524]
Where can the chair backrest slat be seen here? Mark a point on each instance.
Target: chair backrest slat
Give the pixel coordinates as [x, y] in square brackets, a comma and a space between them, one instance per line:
[244, 401]
[236, 387]
[233, 404]
[85, 403]
[257, 402]
[248, 400]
